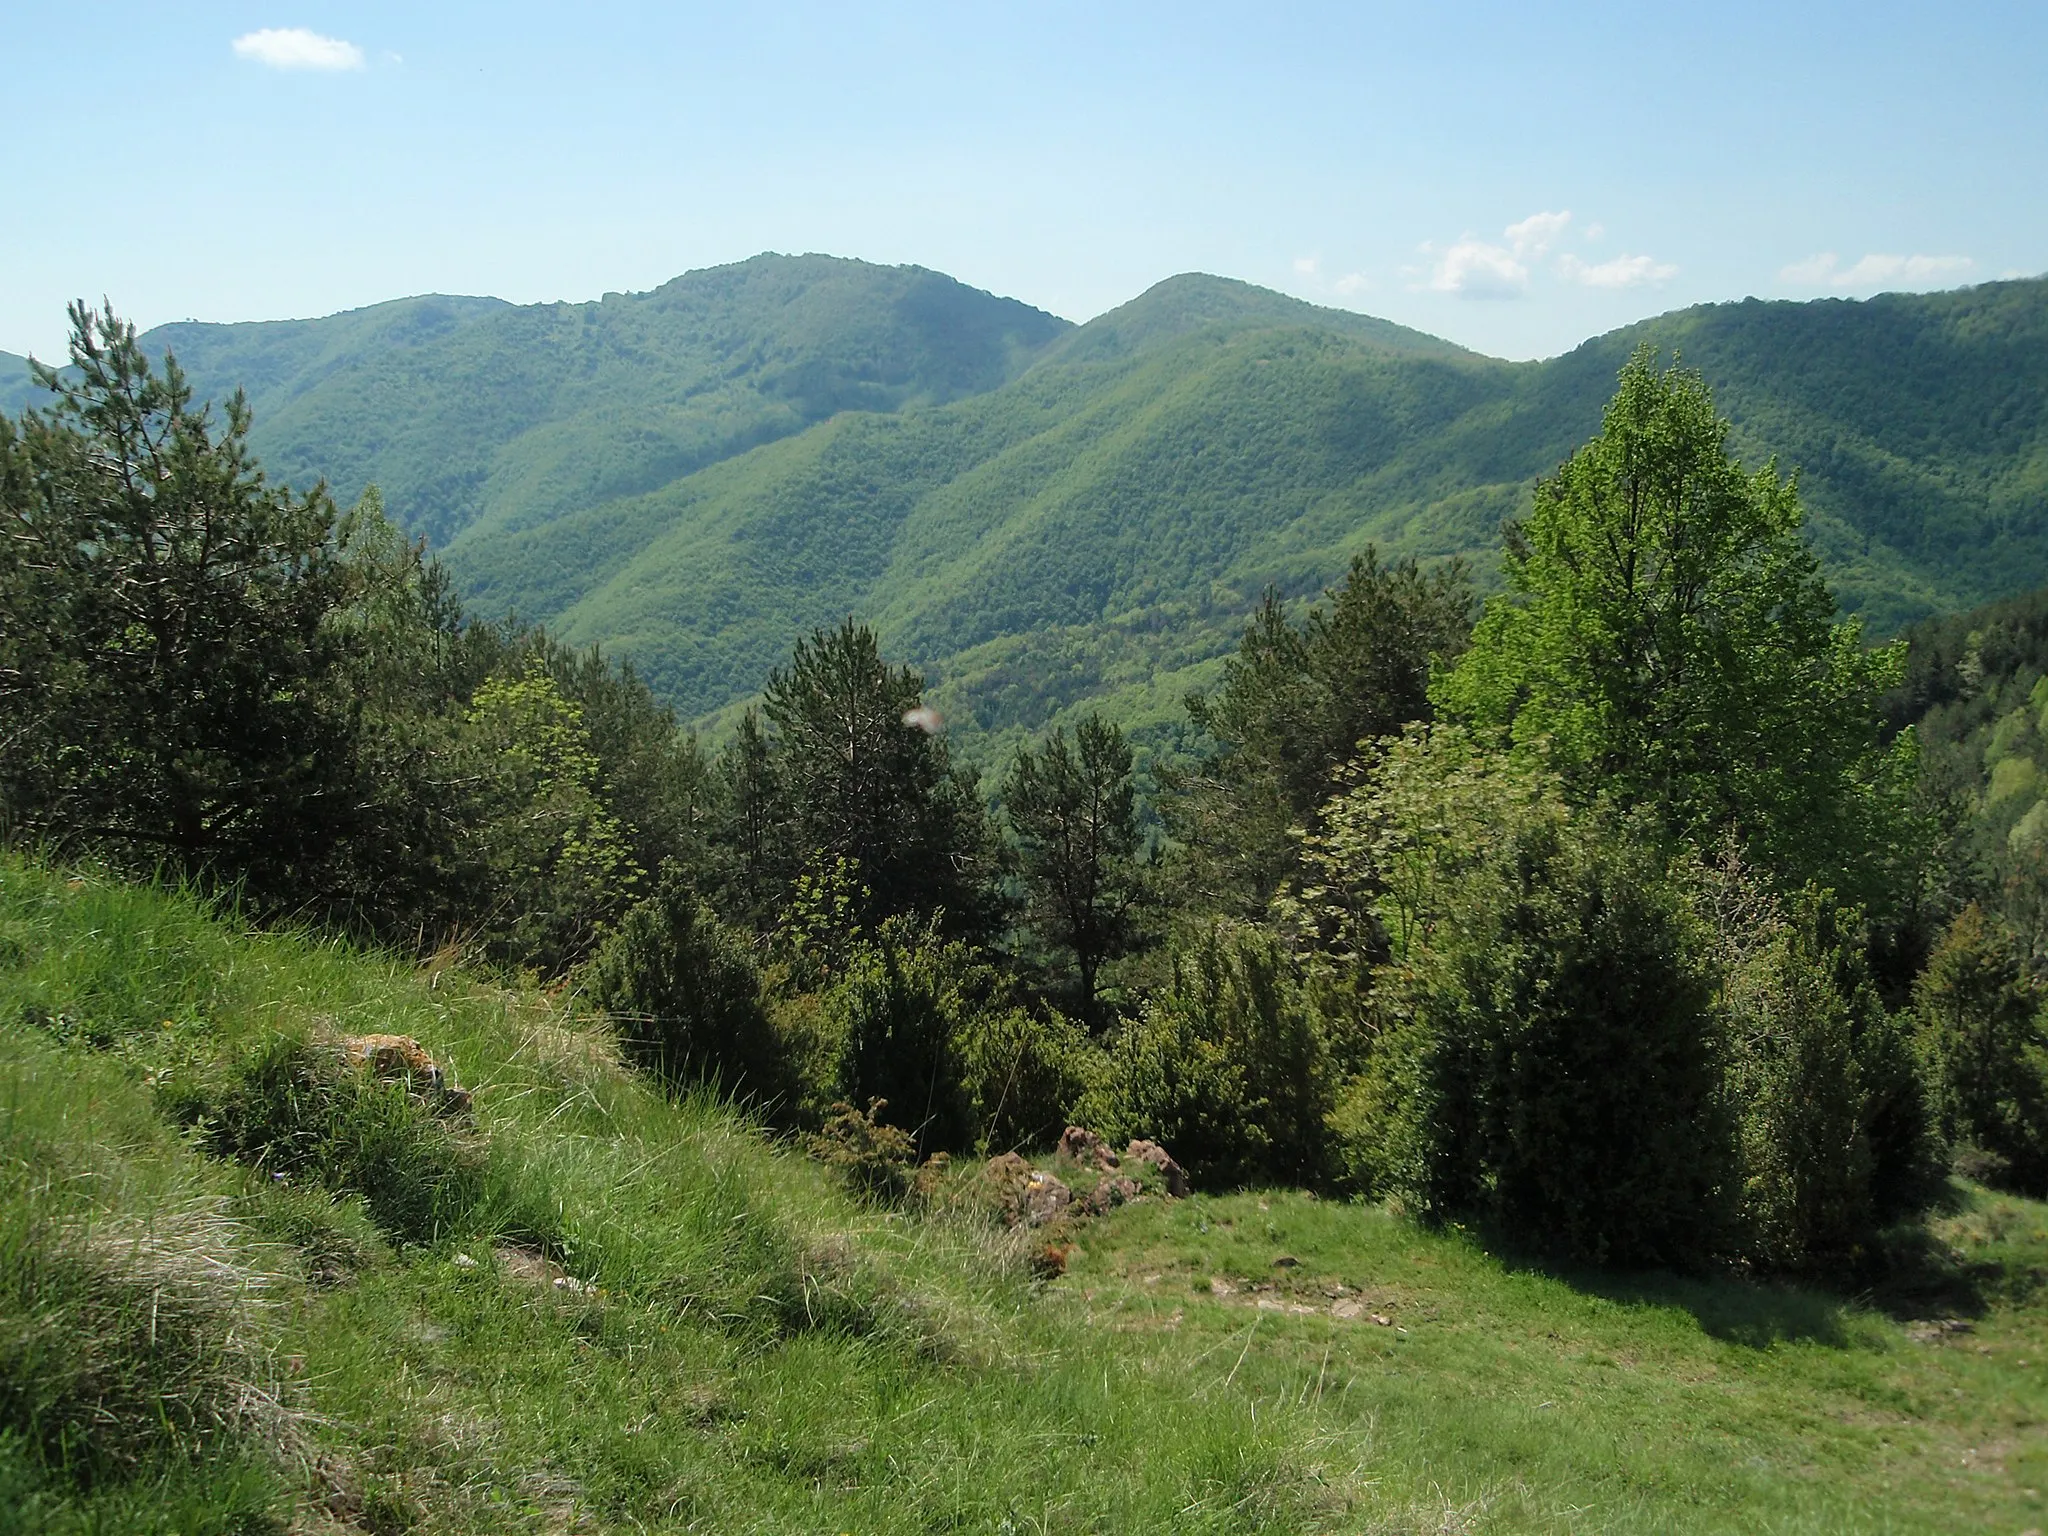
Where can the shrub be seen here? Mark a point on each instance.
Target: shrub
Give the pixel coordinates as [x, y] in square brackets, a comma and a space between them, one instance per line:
[899, 1011]
[1982, 1012]
[1833, 1115]
[876, 1159]
[1547, 1057]
[687, 997]
[1225, 1065]
[1025, 1076]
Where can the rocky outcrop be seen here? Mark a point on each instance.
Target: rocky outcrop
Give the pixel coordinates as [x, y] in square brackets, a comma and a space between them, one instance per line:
[1170, 1172]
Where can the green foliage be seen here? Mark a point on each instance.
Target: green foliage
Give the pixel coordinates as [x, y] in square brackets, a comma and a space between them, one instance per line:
[1025, 1075]
[1073, 812]
[1983, 1007]
[1668, 639]
[687, 995]
[1547, 1057]
[900, 1009]
[1226, 1065]
[557, 861]
[876, 1159]
[864, 781]
[1836, 1134]
[167, 673]
[1296, 705]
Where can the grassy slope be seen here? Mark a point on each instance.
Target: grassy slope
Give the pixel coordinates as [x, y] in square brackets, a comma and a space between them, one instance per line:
[765, 1356]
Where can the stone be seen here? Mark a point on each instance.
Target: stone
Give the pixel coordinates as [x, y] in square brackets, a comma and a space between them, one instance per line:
[402, 1059]
[1087, 1148]
[1113, 1190]
[1154, 1155]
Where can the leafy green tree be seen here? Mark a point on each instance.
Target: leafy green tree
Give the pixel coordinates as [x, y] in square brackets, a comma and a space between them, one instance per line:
[168, 686]
[866, 781]
[560, 868]
[1546, 1055]
[1667, 634]
[1073, 810]
[1983, 1010]
[752, 823]
[1296, 703]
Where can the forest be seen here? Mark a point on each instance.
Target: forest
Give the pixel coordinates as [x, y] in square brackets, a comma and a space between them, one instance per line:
[1643, 915]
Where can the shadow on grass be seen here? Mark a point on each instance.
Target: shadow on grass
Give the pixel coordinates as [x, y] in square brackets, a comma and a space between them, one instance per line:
[1910, 1274]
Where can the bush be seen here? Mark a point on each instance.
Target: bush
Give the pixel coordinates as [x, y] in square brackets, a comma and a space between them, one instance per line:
[1982, 1012]
[1833, 1115]
[877, 1160]
[1025, 1076]
[1226, 1066]
[687, 997]
[1547, 1056]
[900, 1011]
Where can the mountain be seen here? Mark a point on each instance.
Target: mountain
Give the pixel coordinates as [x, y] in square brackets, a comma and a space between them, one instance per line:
[1041, 514]
[17, 385]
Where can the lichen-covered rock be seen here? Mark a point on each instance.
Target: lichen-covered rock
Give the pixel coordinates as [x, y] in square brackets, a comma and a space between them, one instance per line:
[1087, 1148]
[1024, 1194]
[1150, 1152]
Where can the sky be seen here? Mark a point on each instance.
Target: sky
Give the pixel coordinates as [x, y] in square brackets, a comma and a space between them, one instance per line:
[1514, 177]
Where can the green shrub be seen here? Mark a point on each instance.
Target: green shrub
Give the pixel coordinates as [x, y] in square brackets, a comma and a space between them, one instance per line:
[297, 1111]
[1225, 1066]
[1833, 1114]
[877, 1160]
[1982, 1011]
[1547, 1057]
[1025, 1075]
[899, 1012]
[687, 997]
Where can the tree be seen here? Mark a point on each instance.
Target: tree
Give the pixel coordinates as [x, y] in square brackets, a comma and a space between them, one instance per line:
[1295, 704]
[1074, 811]
[169, 683]
[867, 782]
[1668, 638]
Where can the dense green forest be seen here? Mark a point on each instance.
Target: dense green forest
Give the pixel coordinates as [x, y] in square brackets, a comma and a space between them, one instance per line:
[1632, 914]
[1046, 518]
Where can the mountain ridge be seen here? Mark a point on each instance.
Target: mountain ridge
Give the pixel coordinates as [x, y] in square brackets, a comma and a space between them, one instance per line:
[1042, 514]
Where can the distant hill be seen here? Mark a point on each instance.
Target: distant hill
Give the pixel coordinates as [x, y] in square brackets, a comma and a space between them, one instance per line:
[17, 384]
[1043, 514]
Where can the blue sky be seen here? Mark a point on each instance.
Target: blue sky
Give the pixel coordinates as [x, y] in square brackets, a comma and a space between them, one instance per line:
[1515, 177]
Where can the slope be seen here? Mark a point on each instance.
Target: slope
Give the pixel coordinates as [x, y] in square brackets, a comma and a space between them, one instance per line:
[1106, 518]
[594, 1307]
[477, 415]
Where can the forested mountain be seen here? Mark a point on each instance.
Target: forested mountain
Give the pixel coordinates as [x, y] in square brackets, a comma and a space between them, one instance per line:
[1040, 514]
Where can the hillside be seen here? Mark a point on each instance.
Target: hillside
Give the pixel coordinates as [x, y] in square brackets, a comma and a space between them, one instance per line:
[582, 1305]
[1039, 514]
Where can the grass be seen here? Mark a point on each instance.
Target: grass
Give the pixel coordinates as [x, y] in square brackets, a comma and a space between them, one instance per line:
[734, 1345]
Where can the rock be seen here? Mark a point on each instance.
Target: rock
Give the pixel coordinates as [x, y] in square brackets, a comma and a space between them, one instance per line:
[1045, 1198]
[1023, 1193]
[1287, 1261]
[1087, 1148]
[402, 1059]
[1114, 1190]
[1153, 1154]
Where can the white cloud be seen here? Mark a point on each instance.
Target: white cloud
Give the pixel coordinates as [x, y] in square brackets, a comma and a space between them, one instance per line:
[1595, 230]
[1351, 284]
[297, 48]
[1308, 266]
[1472, 269]
[1537, 233]
[1623, 271]
[1825, 270]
